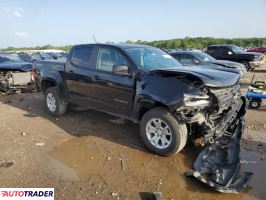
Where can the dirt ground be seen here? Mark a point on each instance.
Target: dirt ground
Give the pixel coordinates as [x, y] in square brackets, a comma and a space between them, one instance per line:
[92, 155]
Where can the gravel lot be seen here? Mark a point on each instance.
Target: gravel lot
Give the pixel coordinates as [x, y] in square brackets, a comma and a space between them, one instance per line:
[91, 155]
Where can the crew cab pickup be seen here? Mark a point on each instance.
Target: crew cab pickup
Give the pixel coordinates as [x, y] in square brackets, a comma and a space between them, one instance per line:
[234, 53]
[172, 103]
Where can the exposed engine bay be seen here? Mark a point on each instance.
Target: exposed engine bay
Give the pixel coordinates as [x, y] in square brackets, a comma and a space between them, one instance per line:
[11, 81]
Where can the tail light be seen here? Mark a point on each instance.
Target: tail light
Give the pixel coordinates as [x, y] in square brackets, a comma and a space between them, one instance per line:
[33, 73]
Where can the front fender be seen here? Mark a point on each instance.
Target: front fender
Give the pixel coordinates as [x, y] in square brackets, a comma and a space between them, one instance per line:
[160, 90]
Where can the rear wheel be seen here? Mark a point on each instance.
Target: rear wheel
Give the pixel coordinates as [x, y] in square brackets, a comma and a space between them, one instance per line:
[161, 132]
[54, 104]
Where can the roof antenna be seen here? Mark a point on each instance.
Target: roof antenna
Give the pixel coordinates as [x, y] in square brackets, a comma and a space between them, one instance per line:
[94, 39]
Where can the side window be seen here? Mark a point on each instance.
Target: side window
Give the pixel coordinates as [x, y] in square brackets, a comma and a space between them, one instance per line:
[186, 59]
[212, 50]
[223, 50]
[81, 56]
[108, 58]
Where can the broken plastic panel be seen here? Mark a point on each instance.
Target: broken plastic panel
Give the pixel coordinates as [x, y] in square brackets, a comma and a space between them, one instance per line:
[219, 162]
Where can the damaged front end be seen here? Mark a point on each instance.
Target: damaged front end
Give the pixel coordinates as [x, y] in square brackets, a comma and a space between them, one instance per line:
[211, 106]
[15, 80]
[218, 116]
[218, 164]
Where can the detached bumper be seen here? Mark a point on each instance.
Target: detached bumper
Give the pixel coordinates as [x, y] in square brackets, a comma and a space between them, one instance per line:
[218, 164]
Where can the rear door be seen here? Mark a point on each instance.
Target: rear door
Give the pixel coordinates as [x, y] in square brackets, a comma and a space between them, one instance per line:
[80, 71]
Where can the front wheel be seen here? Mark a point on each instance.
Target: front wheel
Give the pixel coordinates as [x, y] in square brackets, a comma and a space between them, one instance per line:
[161, 133]
[54, 104]
[247, 65]
[255, 103]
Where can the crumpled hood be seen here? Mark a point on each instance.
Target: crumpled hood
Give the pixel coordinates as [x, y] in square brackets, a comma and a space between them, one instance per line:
[16, 66]
[219, 77]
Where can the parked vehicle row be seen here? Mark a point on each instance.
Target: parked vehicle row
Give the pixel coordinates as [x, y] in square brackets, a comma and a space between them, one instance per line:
[16, 69]
[171, 102]
[48, 56]
[234, 53]
[257, 49]
[199, 58]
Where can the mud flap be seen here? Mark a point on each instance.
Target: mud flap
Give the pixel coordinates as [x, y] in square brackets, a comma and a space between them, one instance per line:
[219, 162]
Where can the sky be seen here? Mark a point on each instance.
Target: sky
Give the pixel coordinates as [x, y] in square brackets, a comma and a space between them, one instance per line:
[25, 23]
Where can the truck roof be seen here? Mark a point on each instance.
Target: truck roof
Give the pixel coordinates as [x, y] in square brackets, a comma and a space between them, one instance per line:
[221, 45]
[120, 45]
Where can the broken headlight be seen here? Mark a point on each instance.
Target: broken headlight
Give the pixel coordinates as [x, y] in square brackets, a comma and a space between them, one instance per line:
[200, 99]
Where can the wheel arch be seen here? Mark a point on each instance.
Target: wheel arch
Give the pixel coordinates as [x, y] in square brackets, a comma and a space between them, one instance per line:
[47, 83]
[145, 105]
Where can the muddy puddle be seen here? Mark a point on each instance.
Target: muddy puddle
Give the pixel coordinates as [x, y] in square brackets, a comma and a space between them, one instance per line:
[127, 170]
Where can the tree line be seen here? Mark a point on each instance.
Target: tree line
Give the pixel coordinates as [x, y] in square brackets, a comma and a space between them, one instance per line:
[203, 42]
[184, 43]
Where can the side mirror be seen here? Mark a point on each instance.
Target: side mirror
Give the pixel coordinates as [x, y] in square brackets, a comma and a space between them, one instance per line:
[121, 70]
[230, 52]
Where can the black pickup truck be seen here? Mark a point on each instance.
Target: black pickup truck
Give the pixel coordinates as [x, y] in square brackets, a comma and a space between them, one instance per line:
[172, 103]
[251, 60]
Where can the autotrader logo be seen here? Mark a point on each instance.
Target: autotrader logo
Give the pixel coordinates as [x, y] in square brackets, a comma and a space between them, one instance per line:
[26, 193]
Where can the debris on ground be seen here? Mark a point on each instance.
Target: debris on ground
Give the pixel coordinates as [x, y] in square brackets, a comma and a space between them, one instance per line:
[122, 163]
[118, 121]
[247, 162]
[23, 134]
[6, 164]
[151, 196]
[114, 194]
[40, 144]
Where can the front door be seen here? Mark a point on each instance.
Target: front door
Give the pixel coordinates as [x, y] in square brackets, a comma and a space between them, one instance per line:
[114, 93]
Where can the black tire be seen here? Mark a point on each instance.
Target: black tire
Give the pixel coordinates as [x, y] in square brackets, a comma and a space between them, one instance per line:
[247, 65]
[178, 131]
[255, 103]
[60, 104]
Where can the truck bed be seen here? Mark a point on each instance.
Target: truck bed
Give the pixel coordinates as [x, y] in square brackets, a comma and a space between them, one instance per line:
[49, 64]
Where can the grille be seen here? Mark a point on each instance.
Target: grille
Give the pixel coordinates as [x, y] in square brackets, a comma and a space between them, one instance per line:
[226, 96]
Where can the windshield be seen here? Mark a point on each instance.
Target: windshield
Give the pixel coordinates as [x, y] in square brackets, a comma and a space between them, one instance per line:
[204, 57]
[150, 58]
[236, 49]
[10, 57]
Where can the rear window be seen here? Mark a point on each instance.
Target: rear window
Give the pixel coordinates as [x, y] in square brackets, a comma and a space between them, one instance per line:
[81, 56]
